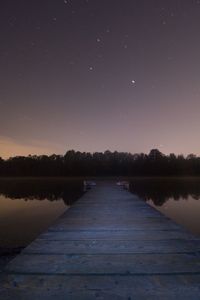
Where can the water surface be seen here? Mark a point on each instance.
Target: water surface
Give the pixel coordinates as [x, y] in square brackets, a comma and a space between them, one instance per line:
[177, 198]
[30, 206]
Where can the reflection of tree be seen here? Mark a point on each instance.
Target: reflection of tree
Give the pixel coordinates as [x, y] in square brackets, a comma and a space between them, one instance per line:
[41, 189]
[161, 190]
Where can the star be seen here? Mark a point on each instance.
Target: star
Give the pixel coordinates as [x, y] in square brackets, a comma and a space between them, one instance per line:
[133, 81]
[98, 40]
[12, 21]
[91, 68]
[33, 44]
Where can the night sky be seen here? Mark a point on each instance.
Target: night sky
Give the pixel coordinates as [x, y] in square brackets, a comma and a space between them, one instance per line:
[93, 75]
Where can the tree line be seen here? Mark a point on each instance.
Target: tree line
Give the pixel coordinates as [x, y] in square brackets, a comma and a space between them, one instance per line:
[76, 163]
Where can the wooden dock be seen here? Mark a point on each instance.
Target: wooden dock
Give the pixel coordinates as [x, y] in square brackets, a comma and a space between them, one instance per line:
[108, 245]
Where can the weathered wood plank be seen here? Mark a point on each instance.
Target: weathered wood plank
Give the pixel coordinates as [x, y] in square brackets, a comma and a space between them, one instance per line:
[101, 287]
[134, 235]
[115, 226]
[106, 264]
[110, 246]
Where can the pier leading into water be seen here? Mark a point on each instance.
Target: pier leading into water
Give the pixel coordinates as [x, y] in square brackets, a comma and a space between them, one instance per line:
[109, 245]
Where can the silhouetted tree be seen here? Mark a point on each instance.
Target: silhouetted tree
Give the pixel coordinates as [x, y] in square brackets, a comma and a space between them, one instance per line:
[76, 163]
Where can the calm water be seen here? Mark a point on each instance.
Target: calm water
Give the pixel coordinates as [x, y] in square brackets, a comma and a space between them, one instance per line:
[177, 198]
[29, 206]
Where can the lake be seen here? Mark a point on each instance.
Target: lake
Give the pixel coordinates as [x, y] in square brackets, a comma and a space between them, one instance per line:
[177, 198]
[30, 206]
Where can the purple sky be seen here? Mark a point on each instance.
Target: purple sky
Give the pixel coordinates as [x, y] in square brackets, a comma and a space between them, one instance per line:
[99, 74]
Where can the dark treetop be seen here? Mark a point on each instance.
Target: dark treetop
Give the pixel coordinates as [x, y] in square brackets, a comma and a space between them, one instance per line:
[101, 164]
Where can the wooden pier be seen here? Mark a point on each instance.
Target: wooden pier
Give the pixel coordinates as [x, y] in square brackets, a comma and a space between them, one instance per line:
[108, 245]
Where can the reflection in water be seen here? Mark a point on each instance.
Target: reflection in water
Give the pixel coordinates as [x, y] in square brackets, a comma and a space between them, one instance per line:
[30, 206]
[42, 189]
[161, 190]
[176, 198]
